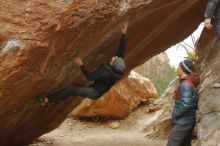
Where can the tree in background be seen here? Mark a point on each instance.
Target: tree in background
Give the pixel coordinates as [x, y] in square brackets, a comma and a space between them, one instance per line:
[159, 71]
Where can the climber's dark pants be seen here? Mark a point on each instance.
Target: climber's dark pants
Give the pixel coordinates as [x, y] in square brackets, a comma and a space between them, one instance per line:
[180, 135]
[218, 28]
[63, 94]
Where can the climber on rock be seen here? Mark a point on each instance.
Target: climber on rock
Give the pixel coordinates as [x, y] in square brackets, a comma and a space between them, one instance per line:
[103, 78]
[213, 11]
[184, 110]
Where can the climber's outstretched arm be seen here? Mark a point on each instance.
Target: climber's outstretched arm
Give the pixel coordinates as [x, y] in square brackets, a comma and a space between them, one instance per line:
[122, 45]
[91, 75]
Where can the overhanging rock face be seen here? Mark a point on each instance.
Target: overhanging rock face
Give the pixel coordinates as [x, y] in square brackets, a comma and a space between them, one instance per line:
[39, 40]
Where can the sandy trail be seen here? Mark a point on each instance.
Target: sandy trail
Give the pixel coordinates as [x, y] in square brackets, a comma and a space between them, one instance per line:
[83, 133]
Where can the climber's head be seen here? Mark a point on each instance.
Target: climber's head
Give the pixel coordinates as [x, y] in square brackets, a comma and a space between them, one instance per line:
[118, 64]
[185, 68]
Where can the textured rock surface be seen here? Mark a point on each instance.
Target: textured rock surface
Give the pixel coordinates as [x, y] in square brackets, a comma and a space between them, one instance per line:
[120, 100]
[158, 125]
[39, 39]
[209, 109]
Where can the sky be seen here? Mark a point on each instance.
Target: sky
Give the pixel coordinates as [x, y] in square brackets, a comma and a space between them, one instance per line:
[177, 55]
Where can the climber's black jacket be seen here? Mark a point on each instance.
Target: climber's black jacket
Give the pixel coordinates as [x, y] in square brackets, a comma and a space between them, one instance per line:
[106, 76]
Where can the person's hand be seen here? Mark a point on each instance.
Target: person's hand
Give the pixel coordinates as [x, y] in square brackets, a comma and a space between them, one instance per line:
[78, 61]
[124, 28]
[207, 23]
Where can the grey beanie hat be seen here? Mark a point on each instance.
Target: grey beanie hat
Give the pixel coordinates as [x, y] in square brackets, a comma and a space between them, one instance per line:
[119, 64]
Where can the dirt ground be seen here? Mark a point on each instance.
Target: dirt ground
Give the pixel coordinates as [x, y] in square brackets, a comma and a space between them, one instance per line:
[126, 132]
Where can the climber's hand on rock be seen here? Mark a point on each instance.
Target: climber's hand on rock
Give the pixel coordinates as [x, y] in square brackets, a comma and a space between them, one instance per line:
[124, 28]
[207, 23]
[78, 61]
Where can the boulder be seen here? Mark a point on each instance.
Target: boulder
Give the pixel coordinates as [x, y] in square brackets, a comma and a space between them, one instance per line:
[120, 100]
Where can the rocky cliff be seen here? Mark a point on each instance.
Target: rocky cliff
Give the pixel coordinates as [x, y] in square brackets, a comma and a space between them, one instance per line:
[39, 40]
[209, 109]
[159, 124]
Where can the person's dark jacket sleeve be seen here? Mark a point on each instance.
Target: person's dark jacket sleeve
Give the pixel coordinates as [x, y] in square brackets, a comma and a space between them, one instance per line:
[185, 104]
[210, 8]
[97, 74]
[122, 46]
